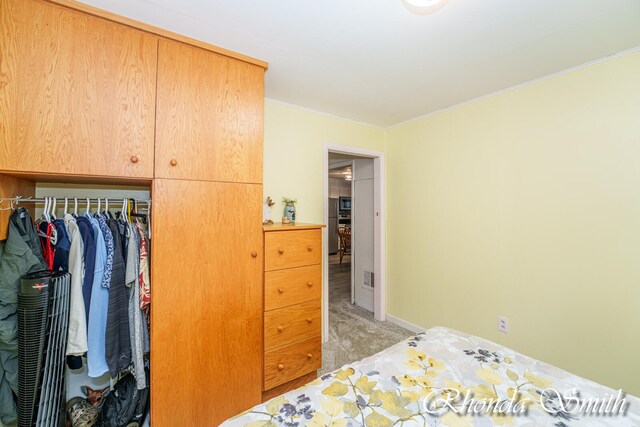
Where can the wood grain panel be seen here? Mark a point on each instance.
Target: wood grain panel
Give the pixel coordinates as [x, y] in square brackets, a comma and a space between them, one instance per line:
[155, 30]
[210, 116]
[292, 361]
[77, 93]
[284, 249]
[12, 187]
[278, 226]
[207, 301]
[290, 324]
[288, 386]
[292, 286]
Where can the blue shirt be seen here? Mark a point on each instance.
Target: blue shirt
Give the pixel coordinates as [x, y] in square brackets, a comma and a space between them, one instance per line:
[97, 326]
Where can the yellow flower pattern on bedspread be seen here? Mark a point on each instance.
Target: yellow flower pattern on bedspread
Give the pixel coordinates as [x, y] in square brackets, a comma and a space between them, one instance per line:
[445, 378]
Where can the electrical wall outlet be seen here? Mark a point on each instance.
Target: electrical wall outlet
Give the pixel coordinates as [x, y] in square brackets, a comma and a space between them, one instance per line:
[503, 324]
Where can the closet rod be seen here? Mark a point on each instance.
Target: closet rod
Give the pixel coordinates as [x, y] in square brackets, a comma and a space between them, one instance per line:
[18, 200]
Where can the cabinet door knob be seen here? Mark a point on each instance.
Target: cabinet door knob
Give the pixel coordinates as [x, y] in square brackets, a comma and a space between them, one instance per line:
[309, 356]
[280, 328]
[173, 162]
[309, 284]
[281, 290]
[254, 254]
[309, 320]
[280, 251]
[280, 367]
[134, 159]
[309, 248]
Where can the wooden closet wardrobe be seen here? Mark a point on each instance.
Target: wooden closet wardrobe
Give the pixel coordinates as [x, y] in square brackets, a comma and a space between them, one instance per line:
[91, 97]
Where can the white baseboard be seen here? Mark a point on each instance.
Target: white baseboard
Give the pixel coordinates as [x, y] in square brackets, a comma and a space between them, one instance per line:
[403, 323]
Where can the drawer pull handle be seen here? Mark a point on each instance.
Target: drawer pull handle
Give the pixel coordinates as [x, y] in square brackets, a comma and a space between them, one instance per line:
[280, 328]
[309, 356]
[280, 251]
[254, 254]
[134, 159]
[309, 248]
[309, 320]
[280, 367]
[281, 290]
[173, 162]
[309, 284]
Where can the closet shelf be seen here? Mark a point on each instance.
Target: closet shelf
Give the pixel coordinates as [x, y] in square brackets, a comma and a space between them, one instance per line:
[77, 179]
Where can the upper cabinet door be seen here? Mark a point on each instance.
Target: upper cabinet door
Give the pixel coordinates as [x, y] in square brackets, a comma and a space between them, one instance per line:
[210, 115]
[77, 92]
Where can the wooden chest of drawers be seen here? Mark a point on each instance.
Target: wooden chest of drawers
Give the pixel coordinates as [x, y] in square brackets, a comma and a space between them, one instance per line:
[292, 306]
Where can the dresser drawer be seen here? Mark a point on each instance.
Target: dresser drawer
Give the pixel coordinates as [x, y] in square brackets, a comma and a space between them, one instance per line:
[287, 249]
[292, 361]
[292, 286]
[290, 324]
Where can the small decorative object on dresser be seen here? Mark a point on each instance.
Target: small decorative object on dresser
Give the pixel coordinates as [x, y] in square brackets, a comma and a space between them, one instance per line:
[290, 209]
[292, 306]
[266, 211]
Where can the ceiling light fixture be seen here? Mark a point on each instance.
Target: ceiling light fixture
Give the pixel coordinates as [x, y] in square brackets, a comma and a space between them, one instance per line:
[424, 7]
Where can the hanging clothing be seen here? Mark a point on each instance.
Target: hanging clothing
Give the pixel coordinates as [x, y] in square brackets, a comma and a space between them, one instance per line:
[77, 336]
[136, 321]
[89, 253]
[97, 324]
[63, 246]
[48, 250]
[124, 233]
[108, 241]
[118, 345]
[144, 279]
[144, 282]
[19, 254]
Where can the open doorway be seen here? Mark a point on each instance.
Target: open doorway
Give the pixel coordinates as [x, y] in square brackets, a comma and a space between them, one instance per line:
[354, 325]
[350, 229]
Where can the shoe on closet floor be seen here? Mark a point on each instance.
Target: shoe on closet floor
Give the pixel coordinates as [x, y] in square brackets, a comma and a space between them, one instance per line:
[81, 413]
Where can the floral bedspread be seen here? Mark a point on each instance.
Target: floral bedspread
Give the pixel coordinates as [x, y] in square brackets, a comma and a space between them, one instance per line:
[442, 377]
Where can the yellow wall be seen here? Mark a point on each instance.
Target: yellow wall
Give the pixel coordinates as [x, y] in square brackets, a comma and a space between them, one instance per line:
[294, 142]
[527, 204]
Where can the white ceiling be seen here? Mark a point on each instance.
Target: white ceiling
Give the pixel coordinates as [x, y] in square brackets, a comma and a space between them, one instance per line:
[374, 61]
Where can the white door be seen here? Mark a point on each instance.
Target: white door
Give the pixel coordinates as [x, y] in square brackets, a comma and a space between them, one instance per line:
[362, 229]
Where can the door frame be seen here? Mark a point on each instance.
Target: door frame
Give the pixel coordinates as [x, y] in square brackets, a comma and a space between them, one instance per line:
[379, 231]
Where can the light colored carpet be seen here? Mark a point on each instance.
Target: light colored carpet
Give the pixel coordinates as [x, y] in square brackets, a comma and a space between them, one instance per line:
[353, 332]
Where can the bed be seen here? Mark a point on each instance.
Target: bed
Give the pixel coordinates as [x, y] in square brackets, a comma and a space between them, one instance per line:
[443, 377]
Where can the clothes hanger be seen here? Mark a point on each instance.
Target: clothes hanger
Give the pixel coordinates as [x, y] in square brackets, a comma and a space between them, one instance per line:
[54, 231]
[44, 210]
[51, 214]
[149, 210]
[12, 206]
[66, 207]
[134, 212]
[42, 219]
[106, 207]
[53, 210]
[125, 210]
[86, 213]
[75, 207]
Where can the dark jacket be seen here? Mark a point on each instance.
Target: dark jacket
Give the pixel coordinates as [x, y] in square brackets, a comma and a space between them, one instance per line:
[118, 340]
[19, 254]
[86, 231]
